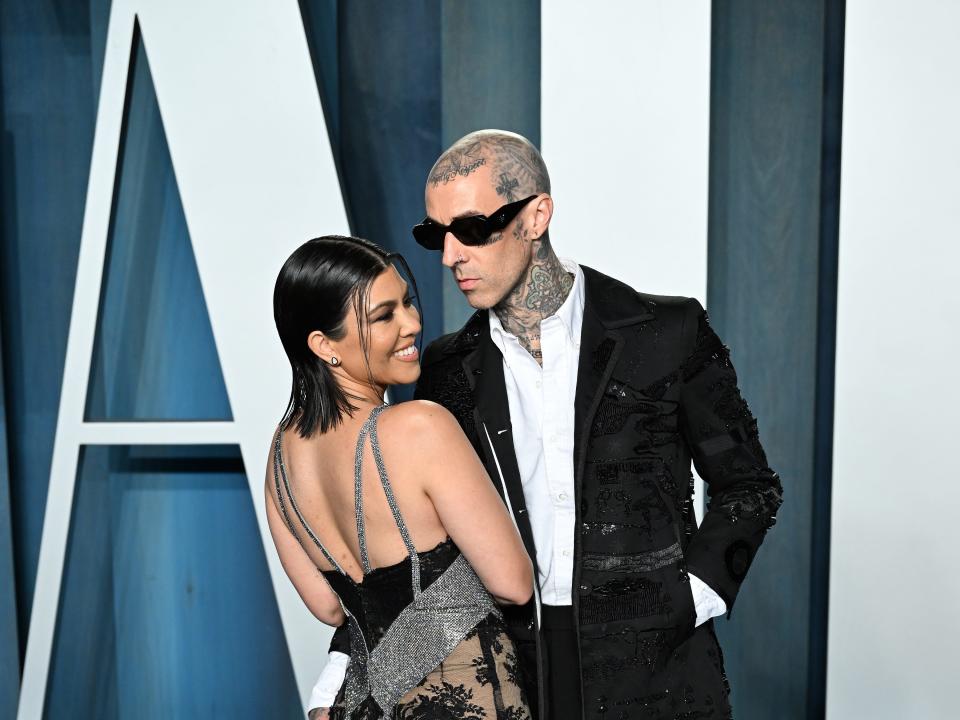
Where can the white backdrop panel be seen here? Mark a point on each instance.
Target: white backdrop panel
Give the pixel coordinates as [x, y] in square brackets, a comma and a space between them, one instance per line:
[894, 580]
[252, 158]
[625, 130]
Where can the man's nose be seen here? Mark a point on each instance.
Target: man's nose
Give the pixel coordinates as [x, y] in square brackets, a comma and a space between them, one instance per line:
[452, 250]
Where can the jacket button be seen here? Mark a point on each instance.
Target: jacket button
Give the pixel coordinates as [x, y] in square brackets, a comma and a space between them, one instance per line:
[477, 371]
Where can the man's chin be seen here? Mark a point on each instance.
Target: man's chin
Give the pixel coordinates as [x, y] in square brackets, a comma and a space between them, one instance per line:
[478, 301]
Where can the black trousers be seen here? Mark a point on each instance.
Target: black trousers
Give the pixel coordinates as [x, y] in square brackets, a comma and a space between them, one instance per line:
[562, 680]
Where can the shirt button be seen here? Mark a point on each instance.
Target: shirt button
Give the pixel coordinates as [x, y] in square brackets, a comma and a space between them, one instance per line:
[562, 496]
[538, 383]
[566, 553]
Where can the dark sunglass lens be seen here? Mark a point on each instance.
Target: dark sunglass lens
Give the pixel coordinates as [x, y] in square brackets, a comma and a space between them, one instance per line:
[470, 230]
[429, 236]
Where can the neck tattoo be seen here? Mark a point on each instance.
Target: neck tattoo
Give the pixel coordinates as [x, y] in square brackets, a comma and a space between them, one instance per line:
[538, 295]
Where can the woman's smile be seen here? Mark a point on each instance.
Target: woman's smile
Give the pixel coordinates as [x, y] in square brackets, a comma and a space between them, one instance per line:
[407, 354]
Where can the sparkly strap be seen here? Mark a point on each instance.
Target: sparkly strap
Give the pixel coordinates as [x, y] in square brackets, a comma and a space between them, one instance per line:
[370, 427]
[280, 476]
[358, 492]
[395, 509]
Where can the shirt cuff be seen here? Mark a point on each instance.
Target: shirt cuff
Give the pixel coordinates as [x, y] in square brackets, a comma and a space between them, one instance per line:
[328, 684]
[707, 603]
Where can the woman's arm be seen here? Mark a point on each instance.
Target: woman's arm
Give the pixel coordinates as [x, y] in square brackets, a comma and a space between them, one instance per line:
[471, 511]
[312, 587]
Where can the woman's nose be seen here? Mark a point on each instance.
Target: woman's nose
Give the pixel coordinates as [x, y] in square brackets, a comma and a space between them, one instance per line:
[411, 325]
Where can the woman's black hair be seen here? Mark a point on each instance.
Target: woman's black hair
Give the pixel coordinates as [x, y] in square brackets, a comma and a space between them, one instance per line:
[314, 290]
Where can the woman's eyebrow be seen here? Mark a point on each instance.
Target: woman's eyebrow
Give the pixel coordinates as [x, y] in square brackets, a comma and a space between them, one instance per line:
[385, 303]
[390, 303]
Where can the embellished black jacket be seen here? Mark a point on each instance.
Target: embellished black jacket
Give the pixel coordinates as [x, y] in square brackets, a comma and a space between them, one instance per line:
[655, 390]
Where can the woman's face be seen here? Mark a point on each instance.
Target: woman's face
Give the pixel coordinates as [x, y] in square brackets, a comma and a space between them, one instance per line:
[391, 325]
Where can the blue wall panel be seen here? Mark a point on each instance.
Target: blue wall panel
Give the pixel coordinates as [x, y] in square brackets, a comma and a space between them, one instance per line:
[9, 648]
[398, 83]
[392, 105]
[167, 608]
[774, 188]
[390, 128]
[382, 95]
[154, 355]
[491, 79]
[51, 54]
[167, 601]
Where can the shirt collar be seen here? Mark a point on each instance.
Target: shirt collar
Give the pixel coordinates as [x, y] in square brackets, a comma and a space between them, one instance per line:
[570, 313]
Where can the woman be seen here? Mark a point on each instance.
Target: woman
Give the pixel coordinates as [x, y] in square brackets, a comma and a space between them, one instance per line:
[414, 547]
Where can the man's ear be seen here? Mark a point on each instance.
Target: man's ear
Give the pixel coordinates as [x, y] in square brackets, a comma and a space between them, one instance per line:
[542, 214]
[321, 346]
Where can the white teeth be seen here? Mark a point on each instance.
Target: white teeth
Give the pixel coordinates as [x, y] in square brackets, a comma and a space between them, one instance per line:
[406, 352]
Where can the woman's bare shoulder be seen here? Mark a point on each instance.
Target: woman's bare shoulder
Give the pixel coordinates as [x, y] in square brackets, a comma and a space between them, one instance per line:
[420, 424]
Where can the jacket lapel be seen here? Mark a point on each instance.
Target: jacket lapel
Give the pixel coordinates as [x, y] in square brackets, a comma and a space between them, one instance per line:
[608, 306]
[599, 349]
[484, 369]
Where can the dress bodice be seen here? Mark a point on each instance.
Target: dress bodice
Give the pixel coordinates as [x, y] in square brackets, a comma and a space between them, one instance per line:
[404, 619]
[386, 591]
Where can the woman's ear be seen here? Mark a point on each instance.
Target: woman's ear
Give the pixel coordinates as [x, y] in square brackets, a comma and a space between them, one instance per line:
[321, 346]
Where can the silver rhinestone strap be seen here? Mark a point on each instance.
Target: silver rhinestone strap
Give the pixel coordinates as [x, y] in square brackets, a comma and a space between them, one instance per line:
[358, 493]
[279, 472]
[395, 509]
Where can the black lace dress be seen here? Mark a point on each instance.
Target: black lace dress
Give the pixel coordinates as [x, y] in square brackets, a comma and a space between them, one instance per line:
[478, 680]
[427, 640]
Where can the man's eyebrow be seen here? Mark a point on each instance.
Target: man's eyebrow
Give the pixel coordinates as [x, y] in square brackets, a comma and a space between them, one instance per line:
[465, 213]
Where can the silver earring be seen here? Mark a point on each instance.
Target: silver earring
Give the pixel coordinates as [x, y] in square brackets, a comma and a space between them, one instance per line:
[334, 361]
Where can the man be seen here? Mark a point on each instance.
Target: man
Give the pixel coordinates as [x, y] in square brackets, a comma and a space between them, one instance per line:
[587, 400]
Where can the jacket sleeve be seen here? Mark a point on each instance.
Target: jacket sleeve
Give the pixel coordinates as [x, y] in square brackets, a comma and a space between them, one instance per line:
[424, 388]
[744, 493]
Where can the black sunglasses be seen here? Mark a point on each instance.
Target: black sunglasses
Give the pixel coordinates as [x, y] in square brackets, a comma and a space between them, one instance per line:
[473, 230]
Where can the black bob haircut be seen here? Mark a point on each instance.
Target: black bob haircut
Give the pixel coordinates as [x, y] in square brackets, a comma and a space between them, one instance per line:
[314, 290]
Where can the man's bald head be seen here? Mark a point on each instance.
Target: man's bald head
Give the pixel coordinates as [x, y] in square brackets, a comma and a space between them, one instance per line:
[516, 167]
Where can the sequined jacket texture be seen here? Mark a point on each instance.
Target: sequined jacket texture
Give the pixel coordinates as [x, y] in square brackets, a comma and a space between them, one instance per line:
[655, 390]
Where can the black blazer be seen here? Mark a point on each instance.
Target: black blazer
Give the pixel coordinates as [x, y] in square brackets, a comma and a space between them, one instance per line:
[655, 389]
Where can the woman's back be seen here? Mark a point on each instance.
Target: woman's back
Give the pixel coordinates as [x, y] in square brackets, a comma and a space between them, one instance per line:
[415, 605]
[321, 473]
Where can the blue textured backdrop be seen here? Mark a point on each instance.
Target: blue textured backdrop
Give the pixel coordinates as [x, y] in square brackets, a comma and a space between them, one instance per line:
[776, 92]
[390, 105]
[51, 55]
[157, 614]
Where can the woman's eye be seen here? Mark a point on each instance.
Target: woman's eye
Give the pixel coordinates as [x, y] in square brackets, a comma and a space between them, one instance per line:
[408, 301]
[385, 318]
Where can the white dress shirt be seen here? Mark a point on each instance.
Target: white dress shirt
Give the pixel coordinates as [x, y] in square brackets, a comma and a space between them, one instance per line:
[542, 420]
[542, 417]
